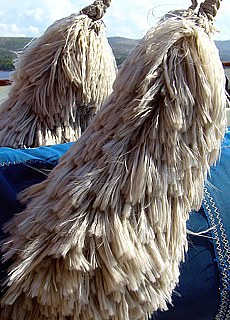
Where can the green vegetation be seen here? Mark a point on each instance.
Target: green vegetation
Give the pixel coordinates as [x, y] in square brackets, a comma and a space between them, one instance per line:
[121, 48]
[6, 63]
[8, 48]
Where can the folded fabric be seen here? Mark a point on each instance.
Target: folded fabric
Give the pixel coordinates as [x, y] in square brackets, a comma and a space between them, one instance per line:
[22, 168]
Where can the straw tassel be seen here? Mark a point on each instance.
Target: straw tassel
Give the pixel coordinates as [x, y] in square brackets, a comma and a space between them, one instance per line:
[103, 236]
[60, 82]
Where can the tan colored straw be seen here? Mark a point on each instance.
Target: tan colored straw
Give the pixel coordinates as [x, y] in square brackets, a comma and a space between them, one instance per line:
[104, 235]
[60, 82]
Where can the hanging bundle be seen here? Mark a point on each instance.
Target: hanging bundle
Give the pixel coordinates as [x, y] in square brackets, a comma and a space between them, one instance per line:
[104, 235]
[60, 82]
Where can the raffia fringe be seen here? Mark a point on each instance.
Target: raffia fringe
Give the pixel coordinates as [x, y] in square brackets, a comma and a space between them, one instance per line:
[104, 235]
[60, 82]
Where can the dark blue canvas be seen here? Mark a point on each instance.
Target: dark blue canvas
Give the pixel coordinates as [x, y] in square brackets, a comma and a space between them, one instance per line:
[22, 168]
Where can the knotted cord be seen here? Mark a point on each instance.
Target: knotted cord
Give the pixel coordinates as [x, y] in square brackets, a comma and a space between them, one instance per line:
[209, 8]
[96, 10]
[194, 4]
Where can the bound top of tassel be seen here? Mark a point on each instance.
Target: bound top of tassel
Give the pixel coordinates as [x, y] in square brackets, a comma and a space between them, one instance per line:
[96, 10]
[207, 8]
[204, 16]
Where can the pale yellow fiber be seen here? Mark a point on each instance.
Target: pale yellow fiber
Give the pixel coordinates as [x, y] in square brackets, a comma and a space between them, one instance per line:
[59, 83]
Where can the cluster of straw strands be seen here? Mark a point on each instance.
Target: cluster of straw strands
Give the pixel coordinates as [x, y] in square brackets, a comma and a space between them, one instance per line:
[104, 235]
[60, 82]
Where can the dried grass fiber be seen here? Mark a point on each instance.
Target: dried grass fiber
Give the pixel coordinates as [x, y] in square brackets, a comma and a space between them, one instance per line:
[59, 83]
[104, 235]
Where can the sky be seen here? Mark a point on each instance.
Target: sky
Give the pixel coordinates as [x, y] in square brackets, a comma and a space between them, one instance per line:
[125, 18]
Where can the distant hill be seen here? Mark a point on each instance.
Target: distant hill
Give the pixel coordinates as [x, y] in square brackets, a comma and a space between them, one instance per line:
[8, 47]
[224, 48]
[121, 48]
[8, 44]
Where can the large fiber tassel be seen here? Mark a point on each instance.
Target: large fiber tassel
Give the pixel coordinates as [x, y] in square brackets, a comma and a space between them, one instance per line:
[60, 82]
[104, 235]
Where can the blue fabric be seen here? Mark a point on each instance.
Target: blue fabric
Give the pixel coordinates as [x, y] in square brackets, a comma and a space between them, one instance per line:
[203, 290]
[197, 295]
[42, 154]
[22, 168]
[217, 209]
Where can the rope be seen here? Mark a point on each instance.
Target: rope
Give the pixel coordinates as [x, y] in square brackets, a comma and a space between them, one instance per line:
[194, 5]
[209, 8]
[96, 10]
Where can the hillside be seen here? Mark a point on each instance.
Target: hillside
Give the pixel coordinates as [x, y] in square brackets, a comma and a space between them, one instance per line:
[224, 48]
[8, 47]
[121, 48]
